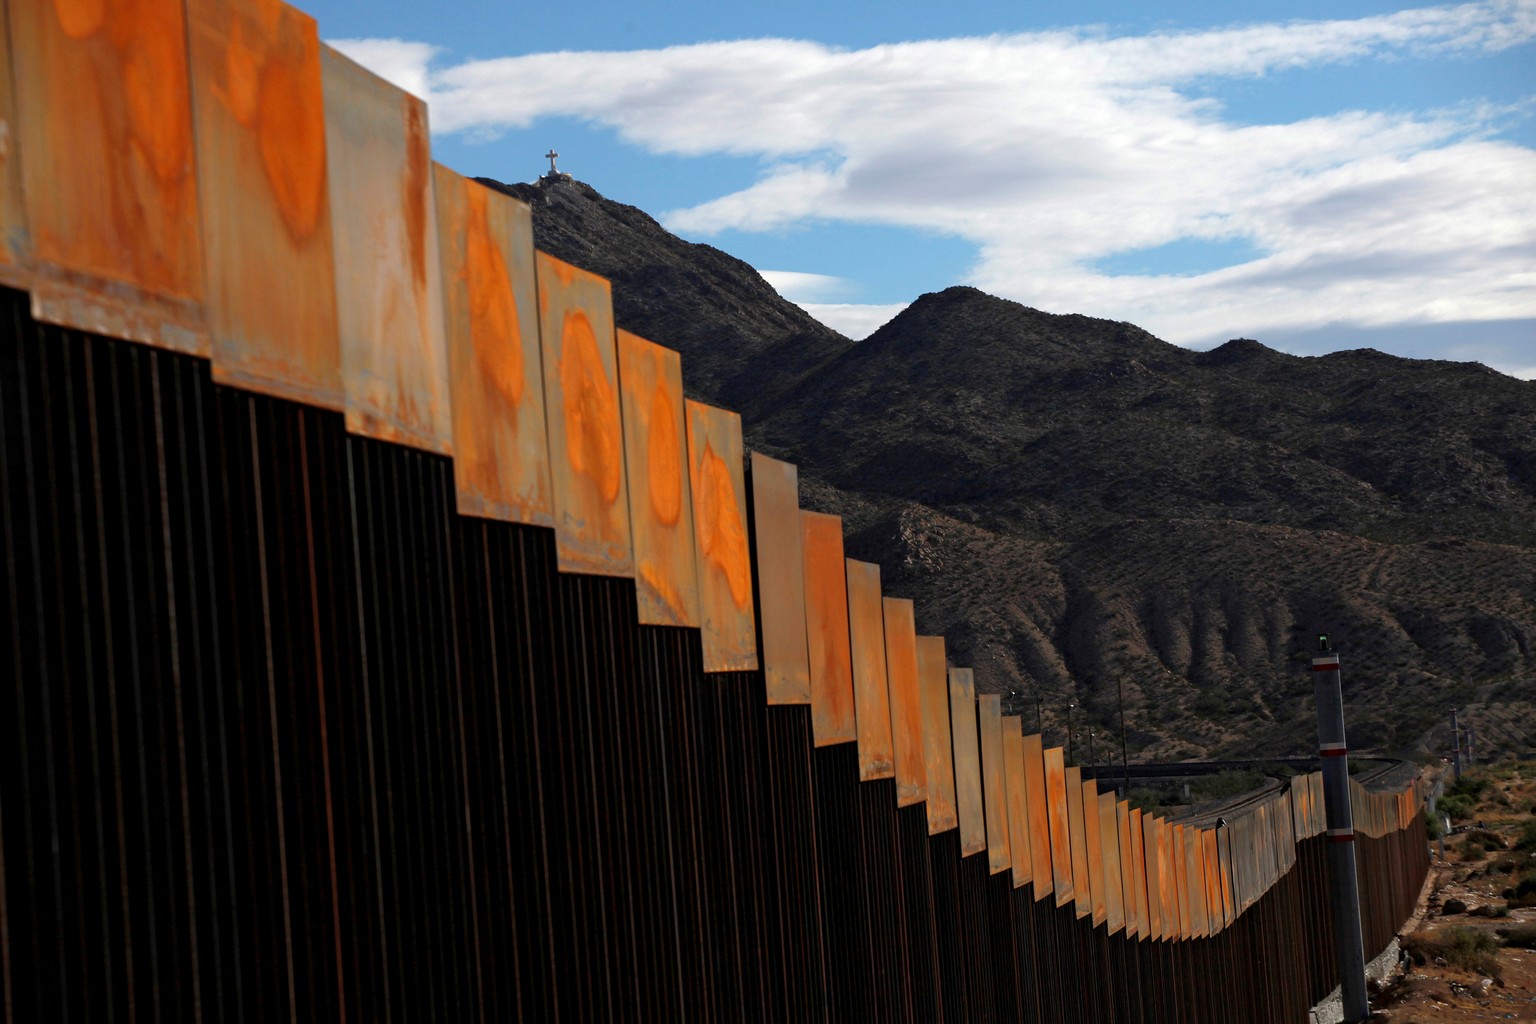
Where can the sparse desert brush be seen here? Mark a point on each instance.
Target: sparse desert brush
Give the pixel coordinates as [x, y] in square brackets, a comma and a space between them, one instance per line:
[1470, 949]
[1520, 936]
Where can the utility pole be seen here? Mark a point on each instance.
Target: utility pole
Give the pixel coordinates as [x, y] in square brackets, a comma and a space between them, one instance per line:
[1456, 750]
[1125, 760]
[1071, 758]
[1343, 886]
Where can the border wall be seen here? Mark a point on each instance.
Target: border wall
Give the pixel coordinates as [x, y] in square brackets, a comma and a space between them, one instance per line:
[390, 639]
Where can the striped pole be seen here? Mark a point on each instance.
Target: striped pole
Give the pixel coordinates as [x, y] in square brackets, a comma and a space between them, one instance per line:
[1344, 890]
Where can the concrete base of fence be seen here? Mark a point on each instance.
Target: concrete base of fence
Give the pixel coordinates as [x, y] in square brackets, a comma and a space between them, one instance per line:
[1331, 1010]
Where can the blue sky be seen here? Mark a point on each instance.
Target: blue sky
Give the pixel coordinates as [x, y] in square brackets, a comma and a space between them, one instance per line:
[1317, 176]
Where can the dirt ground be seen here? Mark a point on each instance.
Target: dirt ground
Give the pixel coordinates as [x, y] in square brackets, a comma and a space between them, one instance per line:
[1431, 988]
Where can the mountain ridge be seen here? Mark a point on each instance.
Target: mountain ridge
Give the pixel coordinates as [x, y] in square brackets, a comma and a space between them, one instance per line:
[1081, 508]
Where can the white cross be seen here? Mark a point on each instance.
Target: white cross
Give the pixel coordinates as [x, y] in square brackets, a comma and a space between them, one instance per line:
[550, 156]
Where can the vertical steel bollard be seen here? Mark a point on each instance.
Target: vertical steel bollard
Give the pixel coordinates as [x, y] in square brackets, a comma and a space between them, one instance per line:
[1341, 830]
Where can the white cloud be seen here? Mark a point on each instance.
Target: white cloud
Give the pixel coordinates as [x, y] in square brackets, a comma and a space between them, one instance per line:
[1050, 151]
[397, 61]
[852, 319]
[799, 286]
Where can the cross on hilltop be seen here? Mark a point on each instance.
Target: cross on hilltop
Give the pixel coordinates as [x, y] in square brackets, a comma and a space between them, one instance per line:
[555, 174]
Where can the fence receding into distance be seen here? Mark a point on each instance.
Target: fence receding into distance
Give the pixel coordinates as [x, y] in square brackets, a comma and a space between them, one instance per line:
[392, 640]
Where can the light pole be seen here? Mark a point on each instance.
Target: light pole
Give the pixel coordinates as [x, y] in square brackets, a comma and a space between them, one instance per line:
[1071, 704]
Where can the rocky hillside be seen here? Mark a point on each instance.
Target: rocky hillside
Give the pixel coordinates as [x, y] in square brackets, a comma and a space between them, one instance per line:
[1083, 510]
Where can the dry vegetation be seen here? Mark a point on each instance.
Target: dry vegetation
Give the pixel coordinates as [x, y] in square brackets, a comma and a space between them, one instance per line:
[1474, 958]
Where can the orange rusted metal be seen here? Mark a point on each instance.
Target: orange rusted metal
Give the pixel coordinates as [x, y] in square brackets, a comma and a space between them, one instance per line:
[496, 373]
[1138, 853]
[1092, 830]
[1039, 816]
[104, 128]
[962, 724]
[1224, 854]
[1210, 863]
[656, 464]
[994, 786]
[1109, 840]
[1151, 877]
[1176, 848]
[1194, 876]
[271, 288]
[1173, 927]
[1061, 834]
[1127, 869]
[871, 692]
[780, 580]
[826, 628]
[1082, 884]
[586, 442]
[938, 756]
[1018, 801]
[906, 701]
[726, 616]
[15, 248]
[389, 297]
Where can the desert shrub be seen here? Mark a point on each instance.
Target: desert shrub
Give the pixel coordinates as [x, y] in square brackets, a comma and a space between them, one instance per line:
[1470, 785]
[1527, 841]
[1432, 826]
[1456, 806]
[1521, 936]
[1482, 841]
[1471, 949]
[1524, 892]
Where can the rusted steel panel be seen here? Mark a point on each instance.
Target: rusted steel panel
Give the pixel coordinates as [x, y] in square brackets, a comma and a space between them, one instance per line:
[1039, 816]
[15, 247]
[938, 755]
[1167, 881]
[1127, 869]
[871, 692]
[389, 299]
[1151, 877]
[656, 465]
[104, 129]
[906, 702]
[1109, 840]
[586, 443]
[271, 287]
[826, 628]
[1138, 875]
[962, 723]
[1224, 873]
[726, 617]
[1210, 863]
[1061, 834]
[1018, 801]
[1194, 883]
[1082, 884]
[994, 788]
[495, 363]
[1092, 832]
[1299, 794]
[1181, 880]
[780, 580]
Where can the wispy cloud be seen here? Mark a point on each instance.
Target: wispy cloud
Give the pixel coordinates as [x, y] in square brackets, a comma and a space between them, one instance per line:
[397, 61]
[1050, 151]
[799, 286]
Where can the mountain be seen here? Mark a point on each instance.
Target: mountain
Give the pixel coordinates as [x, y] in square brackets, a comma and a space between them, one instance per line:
[735, 333]
[1086, 512]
